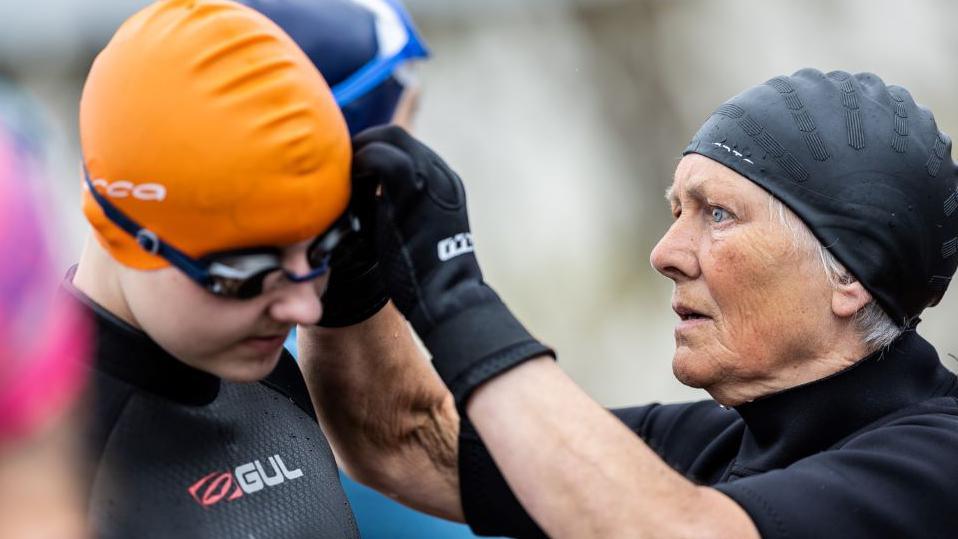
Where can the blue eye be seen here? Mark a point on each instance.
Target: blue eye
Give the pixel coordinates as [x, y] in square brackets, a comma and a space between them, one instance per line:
[719, 215]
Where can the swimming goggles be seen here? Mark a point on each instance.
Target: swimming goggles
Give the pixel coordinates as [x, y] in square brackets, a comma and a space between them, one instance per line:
[238, 274]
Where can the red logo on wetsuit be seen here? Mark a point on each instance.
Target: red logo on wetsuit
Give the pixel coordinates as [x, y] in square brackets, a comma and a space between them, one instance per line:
[246, 478]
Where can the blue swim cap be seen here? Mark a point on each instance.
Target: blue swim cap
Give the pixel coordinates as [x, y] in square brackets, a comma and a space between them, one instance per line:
[358, 45]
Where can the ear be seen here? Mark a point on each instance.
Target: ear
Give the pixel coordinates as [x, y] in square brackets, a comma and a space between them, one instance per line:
[848, 299]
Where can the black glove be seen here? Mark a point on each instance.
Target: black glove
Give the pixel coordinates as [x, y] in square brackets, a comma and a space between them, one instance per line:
[430, 268]
[356, 289]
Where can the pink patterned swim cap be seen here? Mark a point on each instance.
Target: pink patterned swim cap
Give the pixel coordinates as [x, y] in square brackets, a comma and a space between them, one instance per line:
[43, 338]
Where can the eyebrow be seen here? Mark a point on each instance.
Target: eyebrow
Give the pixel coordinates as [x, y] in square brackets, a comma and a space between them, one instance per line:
[696, 191]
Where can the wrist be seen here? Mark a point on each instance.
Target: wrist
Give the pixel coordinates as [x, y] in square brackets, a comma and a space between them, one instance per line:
[478, 344]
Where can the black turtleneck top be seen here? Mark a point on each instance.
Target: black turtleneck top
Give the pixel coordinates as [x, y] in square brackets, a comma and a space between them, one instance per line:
[177, 452]
[871, 451]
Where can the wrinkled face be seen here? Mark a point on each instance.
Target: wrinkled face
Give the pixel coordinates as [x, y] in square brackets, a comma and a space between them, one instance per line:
[752, 306]
[238, 340]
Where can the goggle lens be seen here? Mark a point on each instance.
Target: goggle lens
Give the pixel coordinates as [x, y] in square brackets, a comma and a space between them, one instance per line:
[246, 275]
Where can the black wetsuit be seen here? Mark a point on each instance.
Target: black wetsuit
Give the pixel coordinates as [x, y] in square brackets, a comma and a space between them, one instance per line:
[869, 452]
[177, 452]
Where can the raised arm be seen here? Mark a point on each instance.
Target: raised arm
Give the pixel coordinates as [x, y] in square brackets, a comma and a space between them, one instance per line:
[580, 472]
[576, 469]
[391, 421]
[389, 418]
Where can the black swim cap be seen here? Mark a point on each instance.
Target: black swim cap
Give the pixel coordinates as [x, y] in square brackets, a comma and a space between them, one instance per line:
[862, 165]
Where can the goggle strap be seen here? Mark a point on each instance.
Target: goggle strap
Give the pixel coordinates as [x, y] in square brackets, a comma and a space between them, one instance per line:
[367, 78]
[415, 40]
[146, 238]
[150, 242]
[315, 273]
[378, 69]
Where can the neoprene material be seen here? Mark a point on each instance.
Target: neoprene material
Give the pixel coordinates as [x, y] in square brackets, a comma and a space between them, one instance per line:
[865, 453]
[863, 165]
[356, 289]
[177, 452]
[425, 246]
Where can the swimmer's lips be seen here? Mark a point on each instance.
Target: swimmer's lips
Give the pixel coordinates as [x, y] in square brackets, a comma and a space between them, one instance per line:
[266, 343]
[689, 318]
[686, 312]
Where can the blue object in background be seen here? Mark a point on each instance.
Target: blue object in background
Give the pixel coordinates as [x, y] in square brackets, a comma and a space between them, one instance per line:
[379, 517]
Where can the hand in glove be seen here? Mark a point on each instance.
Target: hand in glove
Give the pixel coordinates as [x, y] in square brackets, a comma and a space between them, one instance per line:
[356, 289]
[428, 261]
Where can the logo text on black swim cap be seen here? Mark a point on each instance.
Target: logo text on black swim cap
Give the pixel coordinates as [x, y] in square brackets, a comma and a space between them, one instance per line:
[247, 478]
[734, 152]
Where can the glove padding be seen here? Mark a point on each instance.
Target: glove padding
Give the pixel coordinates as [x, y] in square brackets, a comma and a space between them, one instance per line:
[356, 289]
[425, 248]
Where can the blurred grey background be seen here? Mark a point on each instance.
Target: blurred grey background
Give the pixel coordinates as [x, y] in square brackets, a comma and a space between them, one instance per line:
[565, 118]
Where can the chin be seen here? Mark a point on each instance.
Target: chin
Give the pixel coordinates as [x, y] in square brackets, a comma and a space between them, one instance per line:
[248, 370]
[691, 370]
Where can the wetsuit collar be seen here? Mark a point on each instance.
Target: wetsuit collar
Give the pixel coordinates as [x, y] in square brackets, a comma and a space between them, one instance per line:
[803, 420]
[129, 354]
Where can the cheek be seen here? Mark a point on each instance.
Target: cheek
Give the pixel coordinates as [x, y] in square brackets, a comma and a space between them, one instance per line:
[739, 280]
[762, 302]
[183, 318]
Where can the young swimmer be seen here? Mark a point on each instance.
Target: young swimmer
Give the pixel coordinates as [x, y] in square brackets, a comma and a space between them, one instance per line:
[216, 180]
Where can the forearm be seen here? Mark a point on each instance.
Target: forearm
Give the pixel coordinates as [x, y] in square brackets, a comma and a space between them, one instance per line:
[577, 470]
[580, 473]
[388, 416]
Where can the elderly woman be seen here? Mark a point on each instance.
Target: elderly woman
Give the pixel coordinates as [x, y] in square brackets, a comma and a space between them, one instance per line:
[815, 218]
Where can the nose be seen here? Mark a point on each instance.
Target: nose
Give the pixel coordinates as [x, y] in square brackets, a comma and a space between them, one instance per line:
[298, 303]
[675, 254]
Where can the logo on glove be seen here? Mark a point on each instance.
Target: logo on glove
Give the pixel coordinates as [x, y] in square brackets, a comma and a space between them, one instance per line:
[459, 244]
[247, 478]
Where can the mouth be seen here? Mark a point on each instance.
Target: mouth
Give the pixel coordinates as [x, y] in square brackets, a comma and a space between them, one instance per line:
[267, 338]
[265, 343]
[687, 313]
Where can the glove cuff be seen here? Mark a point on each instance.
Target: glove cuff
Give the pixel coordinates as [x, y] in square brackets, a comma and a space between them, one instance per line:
[478, 344]
[355, 299]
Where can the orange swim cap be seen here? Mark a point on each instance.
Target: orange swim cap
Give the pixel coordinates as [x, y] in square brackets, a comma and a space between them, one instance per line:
[204, 122]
